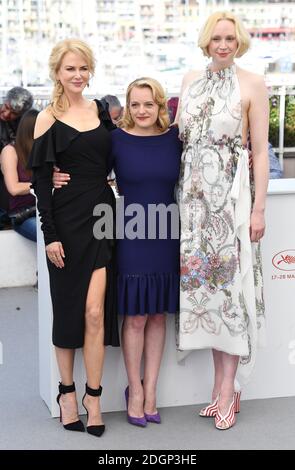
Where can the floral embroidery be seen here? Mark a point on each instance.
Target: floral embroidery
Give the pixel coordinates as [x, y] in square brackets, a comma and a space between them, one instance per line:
[212, 302]
[211, 271]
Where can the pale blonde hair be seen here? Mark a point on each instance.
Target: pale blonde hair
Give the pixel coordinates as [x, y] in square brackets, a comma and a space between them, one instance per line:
[243, 37]
[60, 103]
[159, 97]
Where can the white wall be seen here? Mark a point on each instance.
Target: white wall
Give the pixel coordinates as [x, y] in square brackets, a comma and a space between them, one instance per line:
[18, 258]
[190, 381]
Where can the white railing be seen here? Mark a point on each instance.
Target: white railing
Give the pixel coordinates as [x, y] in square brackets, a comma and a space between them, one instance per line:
[41, 100]
[282, 92]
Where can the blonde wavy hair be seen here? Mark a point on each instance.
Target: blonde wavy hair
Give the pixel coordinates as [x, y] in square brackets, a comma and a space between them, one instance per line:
[159, 97]
[243, 37]
[60, 103]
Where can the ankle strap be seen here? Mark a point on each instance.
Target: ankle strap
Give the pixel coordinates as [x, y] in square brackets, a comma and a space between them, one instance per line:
[94, 392]
[66, 388]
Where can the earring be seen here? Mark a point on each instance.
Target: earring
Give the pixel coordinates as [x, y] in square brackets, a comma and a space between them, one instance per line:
[88, 85]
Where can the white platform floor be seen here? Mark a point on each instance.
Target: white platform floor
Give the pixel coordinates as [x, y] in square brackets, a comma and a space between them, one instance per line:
[26, 423]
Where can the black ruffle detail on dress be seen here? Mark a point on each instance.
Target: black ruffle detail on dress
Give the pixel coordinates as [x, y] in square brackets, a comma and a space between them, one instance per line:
[57, 139]
[67, 215]
[43, 150]
[104, 115]
[41, 161]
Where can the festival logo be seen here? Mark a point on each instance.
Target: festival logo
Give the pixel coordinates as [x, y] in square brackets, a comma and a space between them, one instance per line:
[284, 260]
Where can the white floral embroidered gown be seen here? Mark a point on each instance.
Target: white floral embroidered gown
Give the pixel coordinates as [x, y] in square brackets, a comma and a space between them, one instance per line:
[221, 300]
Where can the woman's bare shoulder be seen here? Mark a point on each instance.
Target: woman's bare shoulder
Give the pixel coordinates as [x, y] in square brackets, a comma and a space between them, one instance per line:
[8, 158]
[189, 78]
[44, 121]
[8, 150]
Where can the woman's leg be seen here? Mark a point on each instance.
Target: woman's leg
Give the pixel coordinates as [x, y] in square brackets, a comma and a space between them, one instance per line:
[133, 344]
[68, 401]
[27, 229]
[218, 372]
[94, 342]
[230, 365]
[154, 341]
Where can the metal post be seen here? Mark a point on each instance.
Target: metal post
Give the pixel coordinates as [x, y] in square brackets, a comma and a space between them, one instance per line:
[282, 93]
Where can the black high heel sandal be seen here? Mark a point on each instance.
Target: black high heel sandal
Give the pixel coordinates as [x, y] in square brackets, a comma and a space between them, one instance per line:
[97, 429]
[76, 425]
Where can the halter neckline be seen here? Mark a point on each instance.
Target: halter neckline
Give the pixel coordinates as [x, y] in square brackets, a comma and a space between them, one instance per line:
[221, 74]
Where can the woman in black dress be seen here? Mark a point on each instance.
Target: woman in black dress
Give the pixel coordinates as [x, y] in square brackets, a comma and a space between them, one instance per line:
[73, 132]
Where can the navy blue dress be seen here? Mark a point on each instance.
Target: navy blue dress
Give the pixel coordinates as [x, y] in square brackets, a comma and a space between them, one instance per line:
[147, 170]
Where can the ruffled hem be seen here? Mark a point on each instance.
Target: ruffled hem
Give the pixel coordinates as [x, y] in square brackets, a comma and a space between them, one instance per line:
[140, 294]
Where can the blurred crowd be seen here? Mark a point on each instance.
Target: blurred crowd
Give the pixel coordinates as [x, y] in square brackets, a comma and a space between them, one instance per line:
[17, 120]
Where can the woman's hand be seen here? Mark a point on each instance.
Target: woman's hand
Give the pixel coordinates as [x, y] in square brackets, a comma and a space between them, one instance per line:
[55, 253]
[59, 179]
[257, 225]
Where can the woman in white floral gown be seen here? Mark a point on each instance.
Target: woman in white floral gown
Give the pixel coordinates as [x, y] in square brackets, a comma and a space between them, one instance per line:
[221, 302]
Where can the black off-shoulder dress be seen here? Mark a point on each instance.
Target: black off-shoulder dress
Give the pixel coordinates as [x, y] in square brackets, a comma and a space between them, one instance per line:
[67, 216]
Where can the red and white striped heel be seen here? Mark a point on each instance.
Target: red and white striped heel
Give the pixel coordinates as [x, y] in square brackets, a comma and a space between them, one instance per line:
[226, 421]
[237, 400]
[210, 410]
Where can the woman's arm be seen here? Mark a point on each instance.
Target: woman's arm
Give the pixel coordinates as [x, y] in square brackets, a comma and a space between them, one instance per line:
[9, 161]
[42, 183]
[258, 123]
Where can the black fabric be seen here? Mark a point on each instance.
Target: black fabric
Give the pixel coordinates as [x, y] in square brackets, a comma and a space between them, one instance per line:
[105, 116]
[4, 195]
[45, 153]
[8, 132]
[42, 184]
[7, 136]
[20, 215]
[66, 388]
[93, 392]
[44, 148]
[67, 216]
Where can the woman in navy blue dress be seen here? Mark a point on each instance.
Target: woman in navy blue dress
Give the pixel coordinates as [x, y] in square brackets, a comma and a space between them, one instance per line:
[146, 159]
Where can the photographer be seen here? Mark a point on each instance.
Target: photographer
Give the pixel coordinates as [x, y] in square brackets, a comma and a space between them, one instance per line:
[17, 179]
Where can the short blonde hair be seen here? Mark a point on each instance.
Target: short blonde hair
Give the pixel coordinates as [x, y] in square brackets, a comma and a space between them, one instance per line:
[159, 97]
[60, 102]
[242, 35]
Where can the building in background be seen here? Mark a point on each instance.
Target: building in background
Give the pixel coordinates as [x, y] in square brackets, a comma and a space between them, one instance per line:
[135, 37]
